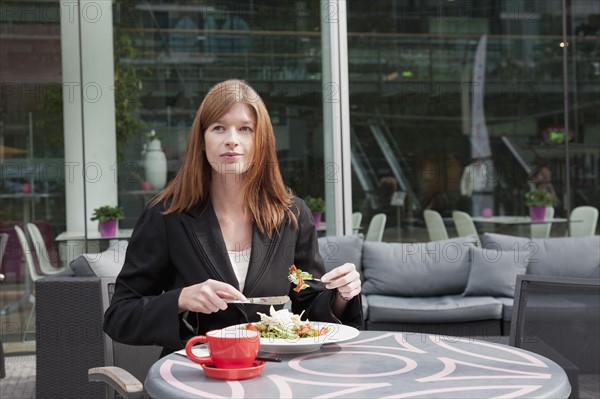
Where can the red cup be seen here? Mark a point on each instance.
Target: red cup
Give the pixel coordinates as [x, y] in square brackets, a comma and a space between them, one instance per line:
[228, 348]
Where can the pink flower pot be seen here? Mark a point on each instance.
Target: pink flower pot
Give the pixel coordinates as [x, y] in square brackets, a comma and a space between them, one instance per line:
[537, 212]
[317, 219]
[146, 186]
[108, 228]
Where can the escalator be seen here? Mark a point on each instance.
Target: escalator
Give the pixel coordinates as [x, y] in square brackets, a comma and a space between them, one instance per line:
[364, 171]
[376, 158]
[394, 158]
[517, 153]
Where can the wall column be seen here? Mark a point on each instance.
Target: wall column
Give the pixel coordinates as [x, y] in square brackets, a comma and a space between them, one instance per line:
[336, 117]
[88, 110]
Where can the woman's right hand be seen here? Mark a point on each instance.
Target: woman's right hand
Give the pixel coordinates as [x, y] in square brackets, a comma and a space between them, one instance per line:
[207, 297]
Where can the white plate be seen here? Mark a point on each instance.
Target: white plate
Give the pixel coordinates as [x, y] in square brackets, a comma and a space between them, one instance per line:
[337, 333]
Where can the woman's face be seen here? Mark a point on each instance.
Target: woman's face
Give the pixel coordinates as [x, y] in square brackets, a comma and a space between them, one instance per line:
[230, 140]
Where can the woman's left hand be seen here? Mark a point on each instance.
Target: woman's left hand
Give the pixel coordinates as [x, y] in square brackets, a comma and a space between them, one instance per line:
[345, 279]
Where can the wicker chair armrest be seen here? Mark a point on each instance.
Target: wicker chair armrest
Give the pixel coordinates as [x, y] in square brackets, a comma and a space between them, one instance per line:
[119, 379]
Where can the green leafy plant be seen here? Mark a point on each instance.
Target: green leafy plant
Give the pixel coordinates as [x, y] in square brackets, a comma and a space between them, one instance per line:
[315, 204]
[128, 76]
[108, 212]
[538, 198]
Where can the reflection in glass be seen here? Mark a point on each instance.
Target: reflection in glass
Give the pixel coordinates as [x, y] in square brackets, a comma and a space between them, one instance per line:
[413, 88]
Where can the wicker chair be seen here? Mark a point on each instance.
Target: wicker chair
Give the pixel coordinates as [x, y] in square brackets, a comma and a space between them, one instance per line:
[70, 340]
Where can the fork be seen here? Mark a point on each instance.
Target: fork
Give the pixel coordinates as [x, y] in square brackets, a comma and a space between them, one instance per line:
[312, 278]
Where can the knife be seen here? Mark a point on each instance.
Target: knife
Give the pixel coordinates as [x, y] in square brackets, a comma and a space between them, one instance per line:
[265, 300]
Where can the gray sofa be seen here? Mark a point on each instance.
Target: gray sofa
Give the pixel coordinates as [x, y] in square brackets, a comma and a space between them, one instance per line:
[446, 287]
[454, 287]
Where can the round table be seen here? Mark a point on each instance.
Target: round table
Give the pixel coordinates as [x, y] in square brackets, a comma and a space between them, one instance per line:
[378, 364]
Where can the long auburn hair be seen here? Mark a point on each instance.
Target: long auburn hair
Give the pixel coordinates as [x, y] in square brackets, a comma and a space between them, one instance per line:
[266, 196]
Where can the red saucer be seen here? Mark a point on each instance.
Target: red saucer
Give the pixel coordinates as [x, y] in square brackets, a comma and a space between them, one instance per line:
[234, 374]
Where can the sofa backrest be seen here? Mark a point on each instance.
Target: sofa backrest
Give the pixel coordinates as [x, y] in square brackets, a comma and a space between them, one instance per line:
[337, 250]
[416, 269]
[106, 264]
[577, 257]
[457, 266]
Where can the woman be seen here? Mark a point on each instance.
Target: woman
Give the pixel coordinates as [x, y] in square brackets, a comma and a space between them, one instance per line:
[225, 227]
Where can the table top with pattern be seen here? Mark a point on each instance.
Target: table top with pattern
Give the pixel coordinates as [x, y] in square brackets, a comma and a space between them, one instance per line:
[378, 364]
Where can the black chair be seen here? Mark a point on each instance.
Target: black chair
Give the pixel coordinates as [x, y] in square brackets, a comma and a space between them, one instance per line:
[70, 340]
[125, 366]
[559, 318]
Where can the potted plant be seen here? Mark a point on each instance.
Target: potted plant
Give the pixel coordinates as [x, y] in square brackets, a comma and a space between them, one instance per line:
[107, 217]
[317, 207]
[537, 201]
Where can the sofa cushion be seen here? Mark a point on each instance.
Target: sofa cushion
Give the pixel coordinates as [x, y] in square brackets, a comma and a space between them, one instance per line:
[507, 307]
[337, 250]
[442, 309]
[557, 256]
[416, 269]
[494, 272]
[104, 264]
[81, 267]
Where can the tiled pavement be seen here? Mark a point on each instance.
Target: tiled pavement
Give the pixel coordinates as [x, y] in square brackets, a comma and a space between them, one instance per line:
[19, 382]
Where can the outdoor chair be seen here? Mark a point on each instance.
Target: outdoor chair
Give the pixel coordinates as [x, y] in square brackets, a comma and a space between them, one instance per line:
[356, 220]
[435, 225]
[70, 340]
[376, 227]
[32, 275]
[2, 363]
[583, 221]
[3, 242]
[542, 230]
[465, 226]
[559, 318]
[3, 239]
[43, 256]
[125, 366]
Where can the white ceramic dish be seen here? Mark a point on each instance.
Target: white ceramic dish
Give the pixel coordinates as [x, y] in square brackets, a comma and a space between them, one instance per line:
[337, 333]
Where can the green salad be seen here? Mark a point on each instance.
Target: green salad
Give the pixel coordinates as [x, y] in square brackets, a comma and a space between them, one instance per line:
[282, 324]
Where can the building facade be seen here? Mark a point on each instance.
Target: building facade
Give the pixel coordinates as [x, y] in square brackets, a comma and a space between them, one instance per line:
[378, 106]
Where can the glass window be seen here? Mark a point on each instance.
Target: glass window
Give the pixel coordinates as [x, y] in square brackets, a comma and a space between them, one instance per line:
[436, 86]
[32, 188]
[169, 54]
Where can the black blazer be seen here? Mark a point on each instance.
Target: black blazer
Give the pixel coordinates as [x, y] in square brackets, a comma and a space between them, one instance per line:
[167, 253]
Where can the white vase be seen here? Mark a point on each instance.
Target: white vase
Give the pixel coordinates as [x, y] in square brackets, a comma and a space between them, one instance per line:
[155, 165]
